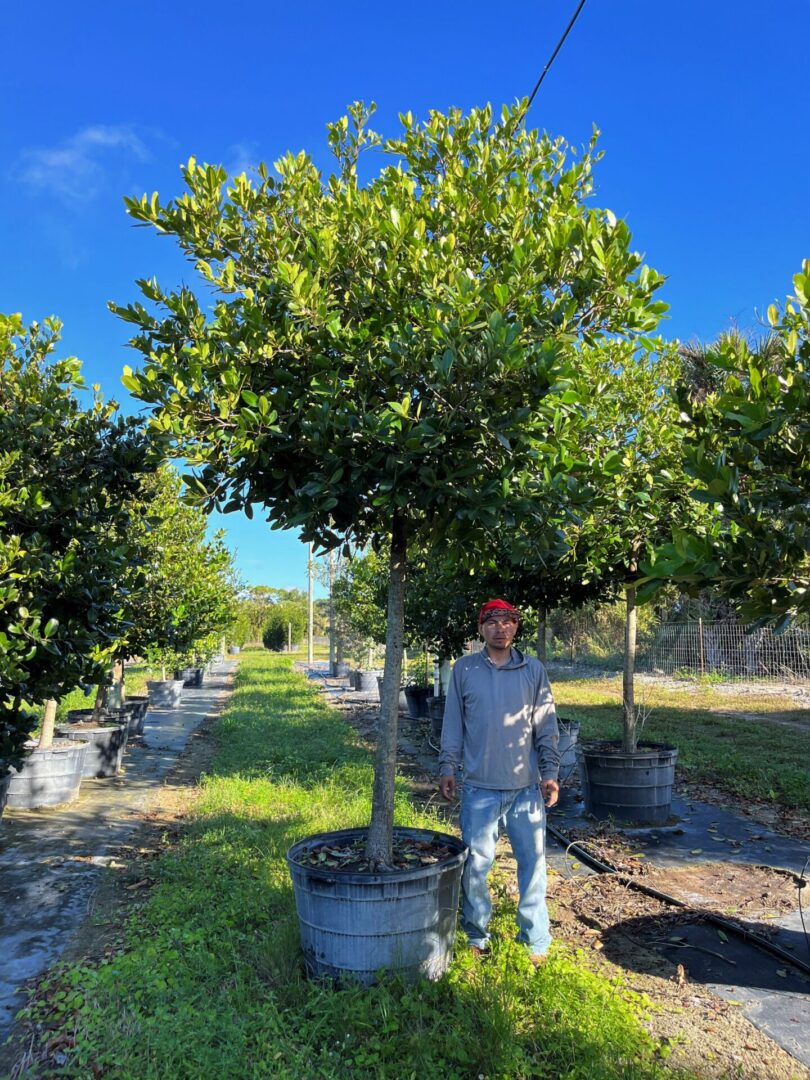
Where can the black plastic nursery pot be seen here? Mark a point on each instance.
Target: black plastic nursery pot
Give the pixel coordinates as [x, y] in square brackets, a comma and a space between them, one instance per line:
[136, 708]
[47, 777]
[416, 698]
[105, 747]
[355, 925]
[366, 681]
[191, 677]
[436, 712]
[628, 786]
[165, 693]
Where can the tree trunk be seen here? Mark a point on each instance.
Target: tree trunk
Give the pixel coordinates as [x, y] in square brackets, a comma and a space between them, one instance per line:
[98, 704]
[115, 695]
[380, 833]
[542, 652]
[48, 725]
[629, 739]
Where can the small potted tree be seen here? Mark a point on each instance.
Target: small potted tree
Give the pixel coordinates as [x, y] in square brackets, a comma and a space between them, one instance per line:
[639, 489]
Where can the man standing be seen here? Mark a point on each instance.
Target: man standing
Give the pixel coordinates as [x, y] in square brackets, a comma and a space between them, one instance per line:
[500, 727]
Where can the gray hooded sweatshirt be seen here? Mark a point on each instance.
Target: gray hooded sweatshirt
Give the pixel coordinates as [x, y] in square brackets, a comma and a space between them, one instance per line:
[500, 724]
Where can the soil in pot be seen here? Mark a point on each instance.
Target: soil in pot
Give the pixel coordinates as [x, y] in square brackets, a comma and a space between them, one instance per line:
[355, 923]
[48, 777]
[628, 787]
[105, 746]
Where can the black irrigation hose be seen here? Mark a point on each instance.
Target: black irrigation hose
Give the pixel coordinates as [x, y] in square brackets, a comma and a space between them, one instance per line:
[716, 920]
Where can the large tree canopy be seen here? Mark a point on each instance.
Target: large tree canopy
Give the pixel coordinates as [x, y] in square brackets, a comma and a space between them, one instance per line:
[747, 439]
[67, 474]
[388, 358]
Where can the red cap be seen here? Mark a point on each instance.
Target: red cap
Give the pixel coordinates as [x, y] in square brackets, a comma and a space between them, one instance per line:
[497, 605]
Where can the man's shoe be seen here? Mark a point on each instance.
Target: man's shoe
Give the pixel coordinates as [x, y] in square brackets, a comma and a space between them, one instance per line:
[538, 959]
[477, 951]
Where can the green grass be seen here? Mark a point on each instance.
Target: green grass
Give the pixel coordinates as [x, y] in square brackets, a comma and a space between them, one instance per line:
[745, 756]
[209, 982]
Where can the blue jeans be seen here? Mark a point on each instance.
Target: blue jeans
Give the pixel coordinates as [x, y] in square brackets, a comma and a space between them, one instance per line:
[523, 816]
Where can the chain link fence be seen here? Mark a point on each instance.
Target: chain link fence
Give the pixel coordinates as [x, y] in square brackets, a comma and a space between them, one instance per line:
[727, 649]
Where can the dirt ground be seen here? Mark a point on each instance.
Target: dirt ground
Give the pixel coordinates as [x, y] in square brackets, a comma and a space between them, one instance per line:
[699, 1031]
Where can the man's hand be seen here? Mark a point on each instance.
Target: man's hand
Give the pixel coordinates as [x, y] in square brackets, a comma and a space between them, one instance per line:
[447, 787]
[550, 790]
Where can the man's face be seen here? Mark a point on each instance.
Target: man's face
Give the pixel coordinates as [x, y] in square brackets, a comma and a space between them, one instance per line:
[499, 631]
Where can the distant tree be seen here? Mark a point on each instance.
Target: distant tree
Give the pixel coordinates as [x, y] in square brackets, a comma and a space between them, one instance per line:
[286, 623]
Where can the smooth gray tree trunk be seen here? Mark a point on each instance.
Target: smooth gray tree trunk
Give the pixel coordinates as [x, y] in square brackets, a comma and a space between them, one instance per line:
[380, 833]
[48, 725]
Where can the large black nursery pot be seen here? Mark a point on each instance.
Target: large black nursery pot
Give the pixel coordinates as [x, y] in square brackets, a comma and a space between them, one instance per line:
[165, 693]
[47, 777]
[628, 786]
[366, 681]
[436, 712]
[191, 677]
[416, 699]
[136, 707]
[354, 925]
[105, 747]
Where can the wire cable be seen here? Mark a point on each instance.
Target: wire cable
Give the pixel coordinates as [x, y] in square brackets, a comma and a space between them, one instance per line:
[553, 56]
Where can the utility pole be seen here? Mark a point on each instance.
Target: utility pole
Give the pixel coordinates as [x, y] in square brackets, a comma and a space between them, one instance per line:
[332, 656]
[310, 651]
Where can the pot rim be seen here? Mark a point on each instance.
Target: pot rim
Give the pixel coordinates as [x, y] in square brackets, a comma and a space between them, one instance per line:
[361, 877]
[613, 748]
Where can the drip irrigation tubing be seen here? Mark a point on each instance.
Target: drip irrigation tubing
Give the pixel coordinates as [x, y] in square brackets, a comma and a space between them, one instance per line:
[728, 925]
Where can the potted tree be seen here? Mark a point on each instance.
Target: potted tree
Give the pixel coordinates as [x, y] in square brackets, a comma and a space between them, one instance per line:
[639, 489]
[389, 375]
[66, 476]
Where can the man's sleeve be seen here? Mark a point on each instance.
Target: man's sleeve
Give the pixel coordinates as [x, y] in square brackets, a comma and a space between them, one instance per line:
[546, 731]
[452, 727]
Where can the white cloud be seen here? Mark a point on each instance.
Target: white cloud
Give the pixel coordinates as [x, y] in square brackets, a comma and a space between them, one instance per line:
[243, 157]
[76, 169]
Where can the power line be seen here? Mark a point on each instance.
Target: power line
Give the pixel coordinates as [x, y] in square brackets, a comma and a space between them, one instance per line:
[553, 56]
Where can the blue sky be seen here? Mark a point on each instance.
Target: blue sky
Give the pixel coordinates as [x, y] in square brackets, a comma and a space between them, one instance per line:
[703, 110]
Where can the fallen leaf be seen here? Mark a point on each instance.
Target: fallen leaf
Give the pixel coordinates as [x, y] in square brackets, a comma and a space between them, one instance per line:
[782, 973]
